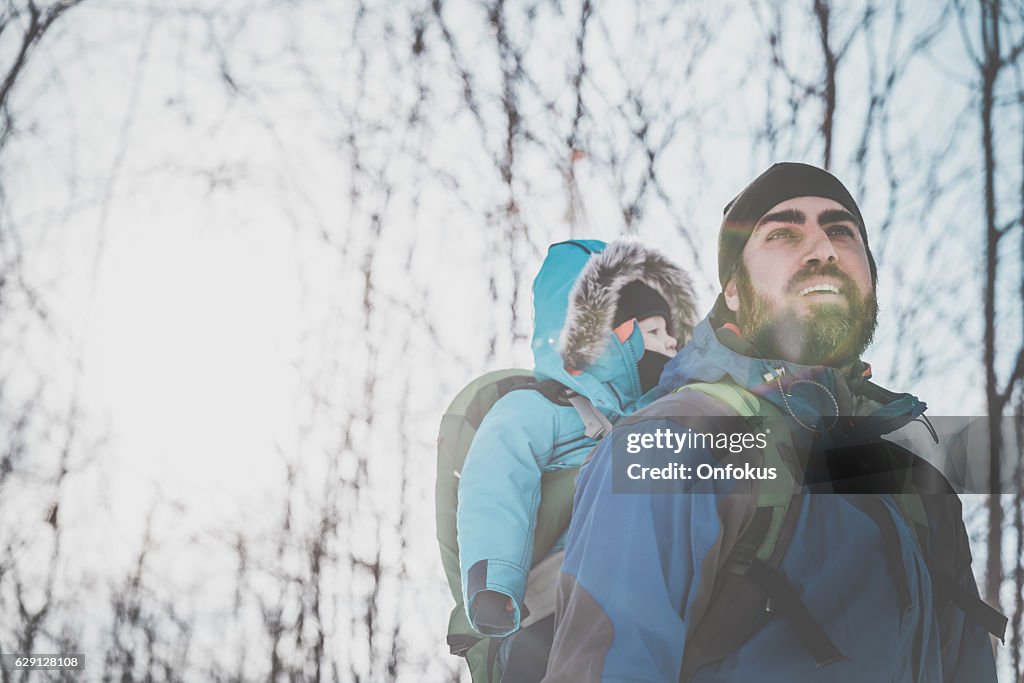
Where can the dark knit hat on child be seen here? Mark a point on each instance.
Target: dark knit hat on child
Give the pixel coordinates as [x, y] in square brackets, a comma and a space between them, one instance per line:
[639, 301]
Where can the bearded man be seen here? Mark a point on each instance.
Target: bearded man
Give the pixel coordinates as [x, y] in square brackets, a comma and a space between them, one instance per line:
[851, 565]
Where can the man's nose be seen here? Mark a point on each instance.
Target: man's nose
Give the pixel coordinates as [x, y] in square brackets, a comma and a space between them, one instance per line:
[820, 250]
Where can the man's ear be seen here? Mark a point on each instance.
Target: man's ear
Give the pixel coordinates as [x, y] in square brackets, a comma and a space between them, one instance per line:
[732, 297]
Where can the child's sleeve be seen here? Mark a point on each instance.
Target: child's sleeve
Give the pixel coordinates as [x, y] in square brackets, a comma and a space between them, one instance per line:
[499, 492]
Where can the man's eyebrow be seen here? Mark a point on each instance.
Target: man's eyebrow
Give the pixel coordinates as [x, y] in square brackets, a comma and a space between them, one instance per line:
[794, 216]
[836, 216]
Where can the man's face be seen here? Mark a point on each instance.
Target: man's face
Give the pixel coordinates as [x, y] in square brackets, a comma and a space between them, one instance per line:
[803, 290]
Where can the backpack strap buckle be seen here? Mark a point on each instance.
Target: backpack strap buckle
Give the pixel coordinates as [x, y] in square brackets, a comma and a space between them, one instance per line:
[595, 424]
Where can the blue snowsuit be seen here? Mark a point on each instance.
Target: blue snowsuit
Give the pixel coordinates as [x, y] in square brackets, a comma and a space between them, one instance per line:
[524, 434]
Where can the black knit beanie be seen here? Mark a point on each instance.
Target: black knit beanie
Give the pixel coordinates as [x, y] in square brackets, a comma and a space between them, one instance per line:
[782, 181]
[639, 301]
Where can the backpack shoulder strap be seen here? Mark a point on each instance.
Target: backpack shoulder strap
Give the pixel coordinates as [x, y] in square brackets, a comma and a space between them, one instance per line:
[737, 398]
[932, 509]
[595, 424]
[749, 586]
[776, 494]
[946, 555]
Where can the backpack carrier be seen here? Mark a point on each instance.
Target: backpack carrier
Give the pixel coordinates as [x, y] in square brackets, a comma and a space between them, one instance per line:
[459, 425]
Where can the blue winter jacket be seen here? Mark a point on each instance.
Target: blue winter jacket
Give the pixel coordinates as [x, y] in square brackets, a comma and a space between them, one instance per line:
[633, 562]
[524, 434]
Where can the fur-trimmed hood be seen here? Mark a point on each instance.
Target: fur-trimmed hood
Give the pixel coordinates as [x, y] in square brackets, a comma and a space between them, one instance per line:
[595, 295]
[574, 299]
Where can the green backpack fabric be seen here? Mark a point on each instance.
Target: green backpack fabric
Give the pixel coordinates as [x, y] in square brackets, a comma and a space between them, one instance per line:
[459, 425]
[749, 586]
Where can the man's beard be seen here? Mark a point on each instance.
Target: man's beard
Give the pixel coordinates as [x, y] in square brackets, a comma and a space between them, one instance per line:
[829, 335]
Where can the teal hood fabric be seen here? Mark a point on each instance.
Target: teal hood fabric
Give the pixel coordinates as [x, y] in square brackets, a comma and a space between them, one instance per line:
[574, 299]
[525, 434]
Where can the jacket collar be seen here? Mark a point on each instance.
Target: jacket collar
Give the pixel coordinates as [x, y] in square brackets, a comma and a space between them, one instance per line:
[818, 393]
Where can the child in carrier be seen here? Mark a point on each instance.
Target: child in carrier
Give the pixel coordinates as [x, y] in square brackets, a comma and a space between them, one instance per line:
[606, 320]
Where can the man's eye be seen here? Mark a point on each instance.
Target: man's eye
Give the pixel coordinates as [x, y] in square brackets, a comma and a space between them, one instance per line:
[841, 230]
[779, 234]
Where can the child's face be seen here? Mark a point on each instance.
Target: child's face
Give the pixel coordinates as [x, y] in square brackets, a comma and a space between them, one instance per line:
[656, 336]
